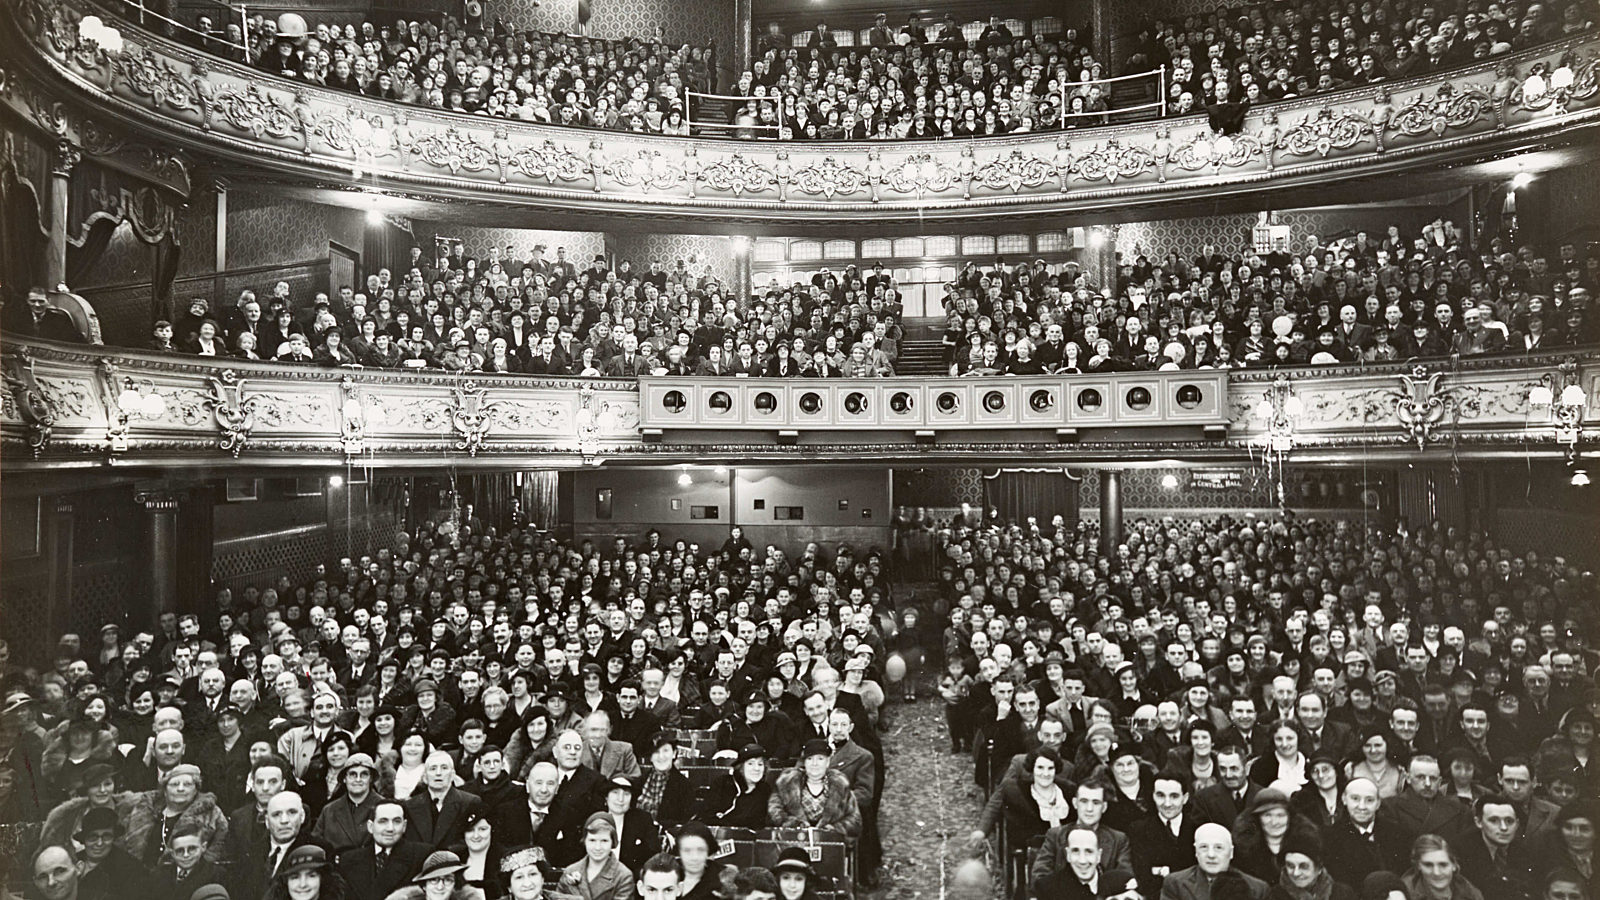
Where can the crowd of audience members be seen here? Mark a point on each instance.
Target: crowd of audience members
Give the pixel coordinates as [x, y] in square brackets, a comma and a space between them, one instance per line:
[546, 317]
[1295, 709]
[1361, 298]
[903, 81]
[1264, 52]
[1290, 708]
[1355, 299]
[500, 697]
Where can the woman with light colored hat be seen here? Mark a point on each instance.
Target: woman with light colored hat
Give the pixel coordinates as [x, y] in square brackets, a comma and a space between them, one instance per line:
[307, 873]
[440, 879]
[342, 824]
[148, 817]
[525, 873]
[599, 875]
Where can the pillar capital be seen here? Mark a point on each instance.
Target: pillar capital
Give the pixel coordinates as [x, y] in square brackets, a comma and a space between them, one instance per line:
[64, 158]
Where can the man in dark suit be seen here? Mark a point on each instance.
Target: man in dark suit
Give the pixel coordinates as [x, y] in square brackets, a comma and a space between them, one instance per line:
[629, 363]
[437, 815]
[1493, 857]
[388, 861]
[38, 319]
[1332, 738]
[1213, 851]
[579, 786]
[633, 725]
[849, 758]
[1221, 803]
[285, 821]
[1360, 843]
[1163, 843]
[541, 821]
[1352, 335]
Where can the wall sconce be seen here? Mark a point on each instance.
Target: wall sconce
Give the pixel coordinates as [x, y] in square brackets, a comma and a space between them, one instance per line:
[1279, 407]
[358, 413]
[1562, 395]
[127, 400]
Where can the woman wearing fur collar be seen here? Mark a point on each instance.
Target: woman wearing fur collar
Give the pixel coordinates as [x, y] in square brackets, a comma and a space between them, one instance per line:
[151, 815]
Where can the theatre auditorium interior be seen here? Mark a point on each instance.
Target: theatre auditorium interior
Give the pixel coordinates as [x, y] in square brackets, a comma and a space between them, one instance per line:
[799, 449]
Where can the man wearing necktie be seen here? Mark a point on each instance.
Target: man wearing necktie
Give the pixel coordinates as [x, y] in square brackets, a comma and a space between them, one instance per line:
[387, 861]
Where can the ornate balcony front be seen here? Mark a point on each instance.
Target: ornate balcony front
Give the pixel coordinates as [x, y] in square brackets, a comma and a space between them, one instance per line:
[83, 406]
[216, 108]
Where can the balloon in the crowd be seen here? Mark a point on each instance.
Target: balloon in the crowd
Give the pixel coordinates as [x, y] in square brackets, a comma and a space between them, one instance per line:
[1283, 326]
[971, 881]
[291, 25]
[894, 668]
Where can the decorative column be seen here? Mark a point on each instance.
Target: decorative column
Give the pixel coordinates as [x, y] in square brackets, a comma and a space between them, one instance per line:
[744, 45]
[161, 550]
[1110, 510]
[65, 158]
[220, 185]
[1103, 25]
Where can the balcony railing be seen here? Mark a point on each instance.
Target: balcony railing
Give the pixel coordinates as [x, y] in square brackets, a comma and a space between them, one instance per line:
[235, 113]
[75, 405]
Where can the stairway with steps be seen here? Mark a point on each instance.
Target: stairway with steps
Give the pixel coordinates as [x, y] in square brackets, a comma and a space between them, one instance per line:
[1134, 92]
[921, 357]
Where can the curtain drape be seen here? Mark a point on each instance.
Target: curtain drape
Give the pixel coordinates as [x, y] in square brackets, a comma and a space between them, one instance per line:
[81, 258]
[163, 269]
[22, 239]
[1042, 494]
[541, 499]
[386, 246]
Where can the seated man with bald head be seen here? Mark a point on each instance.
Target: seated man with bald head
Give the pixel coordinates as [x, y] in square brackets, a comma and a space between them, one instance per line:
[1213, 853]
[437, 814]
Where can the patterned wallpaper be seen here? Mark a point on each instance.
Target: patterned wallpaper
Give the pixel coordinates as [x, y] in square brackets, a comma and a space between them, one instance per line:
[1231, 231]
[476, 241]
[681, 21]
[263, 229]
[697, 250]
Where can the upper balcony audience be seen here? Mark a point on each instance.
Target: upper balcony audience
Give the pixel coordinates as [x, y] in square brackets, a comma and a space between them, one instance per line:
[907, 81]
[1273, 51]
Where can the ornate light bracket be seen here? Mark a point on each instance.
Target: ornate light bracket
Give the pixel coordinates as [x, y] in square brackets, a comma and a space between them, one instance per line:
[358, 411]
[116, 418]
[588, 425]
[32, 408]
[1561, 392]
[235, 413]
[472, 416]
[1420, 404]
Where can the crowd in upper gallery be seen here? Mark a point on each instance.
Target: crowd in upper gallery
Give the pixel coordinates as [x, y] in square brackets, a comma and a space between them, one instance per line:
[1371, 297]
[905, 81]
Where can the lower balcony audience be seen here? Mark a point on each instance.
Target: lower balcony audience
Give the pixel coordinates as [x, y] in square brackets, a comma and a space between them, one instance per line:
[1350, 301]
[1288, 706]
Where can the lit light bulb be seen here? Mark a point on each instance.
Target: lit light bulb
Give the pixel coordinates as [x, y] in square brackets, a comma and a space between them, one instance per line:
[1580, 478]
[336, 481]
[1293, 406]
[1264, 409]
[720, 471]
[1572, 395]
[1521, 180]
[374, 217]
[129, 400]
[154, 406]
[1169, 481]
[684, 480]
[1540, 395]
